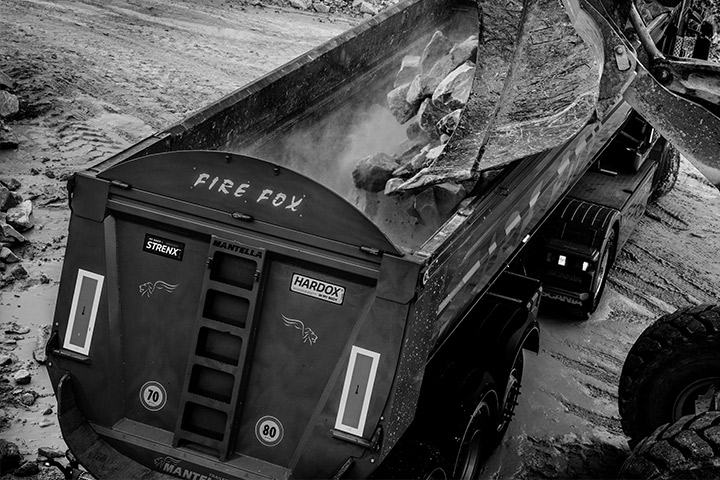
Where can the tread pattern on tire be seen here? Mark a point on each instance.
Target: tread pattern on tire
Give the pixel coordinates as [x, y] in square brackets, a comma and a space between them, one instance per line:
[666, 175]
[688, 448]
[678, 331]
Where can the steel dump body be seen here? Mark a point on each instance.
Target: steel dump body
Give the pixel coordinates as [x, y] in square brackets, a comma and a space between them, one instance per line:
[222, 316]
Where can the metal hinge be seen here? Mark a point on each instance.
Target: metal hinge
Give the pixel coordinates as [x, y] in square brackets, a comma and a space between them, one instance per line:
[119, 184]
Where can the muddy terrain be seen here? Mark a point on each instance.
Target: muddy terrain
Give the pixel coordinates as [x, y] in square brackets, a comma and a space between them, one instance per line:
[94, 77]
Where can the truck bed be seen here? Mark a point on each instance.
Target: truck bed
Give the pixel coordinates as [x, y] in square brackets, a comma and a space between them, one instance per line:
[322, 129]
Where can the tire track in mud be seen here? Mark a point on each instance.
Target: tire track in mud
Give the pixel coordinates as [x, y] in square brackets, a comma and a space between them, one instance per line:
[669, 262]
[588, 367]
[571, 457]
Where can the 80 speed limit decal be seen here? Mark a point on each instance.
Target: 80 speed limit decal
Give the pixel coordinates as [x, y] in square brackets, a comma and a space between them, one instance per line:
[153, 396]
[269, 431]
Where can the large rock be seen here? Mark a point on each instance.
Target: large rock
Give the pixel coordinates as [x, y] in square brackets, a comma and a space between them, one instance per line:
[41, 338]
[369, 8]
[7, 256]
[415, 133]
[27, 469]
[22, 377]
[454, 90]
[425, 207]
[372, 173]
[10, 456]
[465, 51]
[408, 69]
[447, 124]
[448, 195]
[9, 235]
[429, 114]
[9, 104]
[409, 167]
[321, 7]
[424, 84]
[433, 205]
[301, 4]
[18, 272]
[401, 109]
[437, 47]
[6, 83]
[5, 198]
[8, 140]
[21, 216]
[12, 184]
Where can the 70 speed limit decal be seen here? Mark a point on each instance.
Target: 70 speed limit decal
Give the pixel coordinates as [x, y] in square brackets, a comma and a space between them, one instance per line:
[153, 396]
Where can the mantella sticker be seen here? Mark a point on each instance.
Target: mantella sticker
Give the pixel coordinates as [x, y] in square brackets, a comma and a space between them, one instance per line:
[317, 289]
[163, 247]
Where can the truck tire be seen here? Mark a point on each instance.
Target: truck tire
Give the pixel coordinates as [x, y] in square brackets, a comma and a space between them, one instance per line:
[667, 171]
[675, 360]
[510, 399]
[688, 448]
[607, 255]
[479, 437]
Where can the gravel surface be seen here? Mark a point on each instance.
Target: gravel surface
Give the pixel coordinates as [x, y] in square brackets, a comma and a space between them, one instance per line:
[93, 78]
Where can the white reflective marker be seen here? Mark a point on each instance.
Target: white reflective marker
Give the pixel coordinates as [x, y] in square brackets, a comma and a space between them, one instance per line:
[83, 311]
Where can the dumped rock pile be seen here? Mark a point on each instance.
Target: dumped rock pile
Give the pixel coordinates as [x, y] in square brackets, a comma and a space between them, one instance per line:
[473, 108]
[350, 8]
[430, 91]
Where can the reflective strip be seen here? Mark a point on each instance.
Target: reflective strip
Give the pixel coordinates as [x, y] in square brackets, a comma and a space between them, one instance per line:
[357, 391]
[83, 311]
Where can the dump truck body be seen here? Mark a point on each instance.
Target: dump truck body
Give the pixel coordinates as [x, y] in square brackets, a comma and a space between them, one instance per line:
[226, 311]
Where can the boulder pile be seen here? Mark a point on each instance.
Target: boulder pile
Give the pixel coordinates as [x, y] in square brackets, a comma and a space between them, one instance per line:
[430, 91]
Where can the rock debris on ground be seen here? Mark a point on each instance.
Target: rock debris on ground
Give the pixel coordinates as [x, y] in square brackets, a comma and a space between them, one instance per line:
[90, 79]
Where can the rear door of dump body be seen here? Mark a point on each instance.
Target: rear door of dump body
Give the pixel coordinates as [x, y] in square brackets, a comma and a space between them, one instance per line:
[226, 349]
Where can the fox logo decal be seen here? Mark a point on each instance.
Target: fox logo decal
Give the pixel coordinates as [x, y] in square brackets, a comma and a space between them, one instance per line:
[307, 334]
[148, 288]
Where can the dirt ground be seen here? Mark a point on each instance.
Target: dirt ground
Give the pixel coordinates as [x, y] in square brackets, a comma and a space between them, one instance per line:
[94, 77]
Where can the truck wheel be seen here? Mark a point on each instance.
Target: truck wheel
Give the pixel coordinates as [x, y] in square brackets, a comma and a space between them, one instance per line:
[666, 174]
[687, 448]
[480, 434]
[673, 362]
[512, 392]
[598, 285]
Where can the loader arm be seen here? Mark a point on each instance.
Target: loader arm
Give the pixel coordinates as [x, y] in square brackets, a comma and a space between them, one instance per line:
[680, 98]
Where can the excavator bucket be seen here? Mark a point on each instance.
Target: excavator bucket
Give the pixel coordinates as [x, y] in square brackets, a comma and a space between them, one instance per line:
[536, 85]
[569, 62]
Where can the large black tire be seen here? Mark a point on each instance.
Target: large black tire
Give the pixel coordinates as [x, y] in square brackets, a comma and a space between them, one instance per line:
[479, 437]
[686, 449]
[675, 360]
[667, 171]
[607, 256]
[510, 398]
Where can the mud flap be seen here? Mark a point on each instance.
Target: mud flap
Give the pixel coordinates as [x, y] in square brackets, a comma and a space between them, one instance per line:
[101, 460]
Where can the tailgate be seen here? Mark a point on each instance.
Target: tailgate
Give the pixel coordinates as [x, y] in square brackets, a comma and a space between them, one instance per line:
[207, 333]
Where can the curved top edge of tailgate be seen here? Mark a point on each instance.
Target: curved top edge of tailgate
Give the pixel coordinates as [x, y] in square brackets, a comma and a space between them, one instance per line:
[251, 187]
